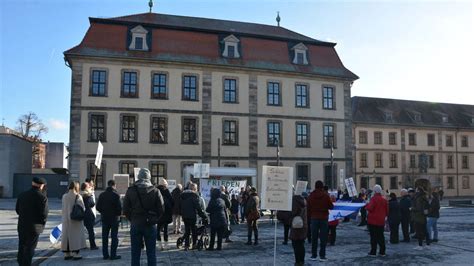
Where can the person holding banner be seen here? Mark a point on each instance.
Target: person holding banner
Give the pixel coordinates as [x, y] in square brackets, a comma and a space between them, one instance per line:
[298, 232]
[252, 214]
[378, 210]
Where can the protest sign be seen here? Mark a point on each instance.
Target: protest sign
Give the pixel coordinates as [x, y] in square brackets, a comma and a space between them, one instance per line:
[277, 190]
[201, 170]
[171, 184]
[233, 186]
[135, 172]
[300, 187]
[98, 156]
[351, 188]
[121, 183]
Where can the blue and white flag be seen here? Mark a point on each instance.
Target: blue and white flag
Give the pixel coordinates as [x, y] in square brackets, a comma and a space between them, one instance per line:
[344, 209]
[56, 234]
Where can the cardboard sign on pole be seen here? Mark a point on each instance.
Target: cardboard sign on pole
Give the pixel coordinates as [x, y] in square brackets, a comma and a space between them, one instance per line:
[98, 156]
[121, 183]
[300, 187]
[277, 192]
[351, 188]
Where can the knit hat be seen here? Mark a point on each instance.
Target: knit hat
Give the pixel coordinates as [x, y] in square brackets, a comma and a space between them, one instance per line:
[144, 174]
[162, 182]
[377, 189]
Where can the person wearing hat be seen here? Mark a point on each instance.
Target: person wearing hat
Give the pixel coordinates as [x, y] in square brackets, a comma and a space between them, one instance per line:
[378, 211]
[143, 205]
[167, 216]
[32, 210]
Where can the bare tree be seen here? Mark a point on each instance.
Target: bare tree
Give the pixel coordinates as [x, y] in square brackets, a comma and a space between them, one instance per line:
[30, 126]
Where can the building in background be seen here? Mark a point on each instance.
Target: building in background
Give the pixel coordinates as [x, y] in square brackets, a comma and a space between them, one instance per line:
[56, 155]
[398, 142]
[160, 91]
[39, 155]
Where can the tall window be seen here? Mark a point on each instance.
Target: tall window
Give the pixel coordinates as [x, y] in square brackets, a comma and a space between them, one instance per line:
[230, 132]
[364, 182]
[464, 141]
[190, 88]
[377, 137]
[450, 162]
[274, 133]
[127, 168]
[412, 139]
[465, 162]
[302, 172]
[465, 182]
[431, 139]
[328, 136]
[99, 181]
[392, 138]
[431, 161]
[230, 91]
[412, 161]
[363, 137]
[273, 93]
[302, 135]
[129, 127]
[394, 182]
[328, 98]
[450, 182]
[159, 90]
[97, 128]
[379, 181]
[231, 51]
[98, 83]
[449, 140]
[129, 84]
[189, 131]
[363, 160]
[393, 160]
[159, 132]
[301, 95]
[378, 160]
[157, 170]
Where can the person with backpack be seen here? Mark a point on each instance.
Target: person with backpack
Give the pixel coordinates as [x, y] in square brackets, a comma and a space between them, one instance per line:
[166, 218]
[299, 228]
[143, 206]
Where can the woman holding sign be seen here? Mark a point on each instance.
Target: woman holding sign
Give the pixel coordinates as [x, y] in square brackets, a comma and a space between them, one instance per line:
[252, 214]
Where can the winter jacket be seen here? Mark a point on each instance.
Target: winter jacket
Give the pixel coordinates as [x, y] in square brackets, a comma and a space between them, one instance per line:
[405, 205]
[234, 208]
[434, 206]
[167, 216]
[394, 216]
[299, 209]
[190, 205]
[32, 208]
[109, 205]
[252, 203]
[217, 209]
[89, 217]
[176, 195]
[319, 204]
[378, 210]
[151, 198]
[420, 208]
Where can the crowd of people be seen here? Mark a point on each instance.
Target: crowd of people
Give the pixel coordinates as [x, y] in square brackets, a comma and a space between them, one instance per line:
[151, 209]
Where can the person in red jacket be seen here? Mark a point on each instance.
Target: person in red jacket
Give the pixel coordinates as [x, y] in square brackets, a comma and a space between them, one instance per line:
[378, 211]
[319, 205]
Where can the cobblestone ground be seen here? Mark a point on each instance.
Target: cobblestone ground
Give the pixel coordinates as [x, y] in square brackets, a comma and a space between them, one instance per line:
[456, 246]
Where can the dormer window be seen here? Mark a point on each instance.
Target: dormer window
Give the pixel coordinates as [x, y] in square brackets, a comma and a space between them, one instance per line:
[231, 47]
[300, 54]
[139, 37]
[445, 119]
[417, 117]
[388, 116]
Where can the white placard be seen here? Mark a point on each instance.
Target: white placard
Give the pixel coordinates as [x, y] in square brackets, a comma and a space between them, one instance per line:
[98, 156]
[121, 183]
[351, 188]
[136, 171]
[300, 187]
[233, 186]
[277, 189]
[171, 184]
[201, 170]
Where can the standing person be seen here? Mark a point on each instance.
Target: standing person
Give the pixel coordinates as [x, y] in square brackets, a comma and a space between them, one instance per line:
[143, 205]
[285, 218]
[217, 214]
[176, 195]
[378, 210]
[234, 209]
[298, 235]
[319, 204]
[394, 218]
[72, 236]
[441, 193]
[332, 226]
[252, 214]
[32, 210]
[405, 206]
[190, 208]
[308, 217]
[363, 211]
[89, 217]
[225, 196]
[166, 218]
[110, 209]
[244, 196]
[411, 193]
[433, 215]
[420, 210]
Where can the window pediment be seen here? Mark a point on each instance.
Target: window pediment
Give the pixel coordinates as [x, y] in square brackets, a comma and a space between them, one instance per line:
[231, 47]
[300, 52]
[139, 39]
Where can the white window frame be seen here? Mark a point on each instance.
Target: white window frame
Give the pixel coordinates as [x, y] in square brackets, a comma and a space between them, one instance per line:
[300, 48]
[229, 41]
[138, 32]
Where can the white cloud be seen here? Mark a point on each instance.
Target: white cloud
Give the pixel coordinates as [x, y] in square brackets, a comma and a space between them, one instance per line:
[57, 124]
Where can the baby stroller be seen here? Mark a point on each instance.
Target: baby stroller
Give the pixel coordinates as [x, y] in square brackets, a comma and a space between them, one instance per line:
[202, 238]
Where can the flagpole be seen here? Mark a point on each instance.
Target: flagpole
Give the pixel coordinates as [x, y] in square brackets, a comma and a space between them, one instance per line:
[275, 244]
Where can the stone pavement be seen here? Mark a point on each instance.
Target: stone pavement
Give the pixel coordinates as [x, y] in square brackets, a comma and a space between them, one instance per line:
[456, 246]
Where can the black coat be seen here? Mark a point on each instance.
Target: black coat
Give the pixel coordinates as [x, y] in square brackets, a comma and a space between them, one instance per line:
[32, 208]
[405, 205]
[234, 208]
[176, 195]
[434, 207]
[167, 216]
[190, 206]
[109, 205]
[89, 217]
[393, 212]
[217, 209]
[151, 200]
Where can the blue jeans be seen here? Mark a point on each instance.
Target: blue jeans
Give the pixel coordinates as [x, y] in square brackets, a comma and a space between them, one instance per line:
[319, 232]
[137, 235]
[112, 227]
[432, 226]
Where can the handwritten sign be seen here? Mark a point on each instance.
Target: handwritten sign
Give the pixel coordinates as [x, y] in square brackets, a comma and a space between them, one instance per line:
[300, 187]
[98, 156]
[351, 188]
[121, 183]
[233, 186]
[276, 188]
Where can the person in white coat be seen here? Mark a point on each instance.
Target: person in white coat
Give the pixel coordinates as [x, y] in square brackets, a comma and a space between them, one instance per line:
[73, 237]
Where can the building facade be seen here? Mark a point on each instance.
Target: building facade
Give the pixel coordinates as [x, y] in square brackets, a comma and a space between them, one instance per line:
[56, 155]
[161, 91]
[398, 142]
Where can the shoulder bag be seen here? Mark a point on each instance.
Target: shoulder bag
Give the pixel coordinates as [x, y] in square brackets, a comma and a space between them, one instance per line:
[77, 213]
[297, 221]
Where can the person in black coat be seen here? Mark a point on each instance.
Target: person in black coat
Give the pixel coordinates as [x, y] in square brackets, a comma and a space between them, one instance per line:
[167, 216]
[234, 209]
[217, 212]
[405, 206]
[110, 209]
[32, 210]
[89, 216]
[190, 208]
[432, 217]
[393, 218]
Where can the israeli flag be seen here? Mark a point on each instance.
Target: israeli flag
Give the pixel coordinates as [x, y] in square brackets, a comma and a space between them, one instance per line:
[343, 209]
[56, 234]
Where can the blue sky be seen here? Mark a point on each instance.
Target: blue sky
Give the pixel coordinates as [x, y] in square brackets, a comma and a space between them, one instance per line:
[419, 50]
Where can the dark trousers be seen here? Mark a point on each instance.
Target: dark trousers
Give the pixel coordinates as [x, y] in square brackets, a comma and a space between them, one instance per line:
[405, 225]
[412, 227]
[219, 231]
[252, 226]
[286, 230]
[319, 232]
[189, 229]
[112, 227]
[165, 232]
[376, 238]
[137, 235]
[89, 224]
[420, 229]
[394, 229]
[332, 235]
[298, 249]
[242, 212]
[363, 216]
[26, 247]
